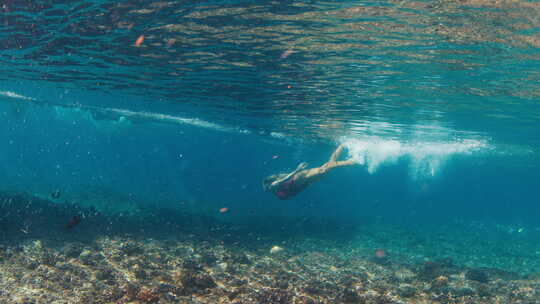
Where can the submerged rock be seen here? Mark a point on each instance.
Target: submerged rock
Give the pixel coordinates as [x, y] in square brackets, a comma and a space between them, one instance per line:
[192, 265]
[146, 295]
[276, 249]
[90, 258]
[433, 269]
[348, 295]
[196, 282]
[463, 291]
[72, 250]
[239, 258]
[439, 282]
[404, 275]
[477, 275]
[274, 296]
[105, 274]
[406, 290]
[131, 248]
[208, 259]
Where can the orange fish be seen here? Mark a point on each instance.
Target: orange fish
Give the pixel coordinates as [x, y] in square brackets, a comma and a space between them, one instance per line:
[139, 40]
[224, 209]
[380, 253]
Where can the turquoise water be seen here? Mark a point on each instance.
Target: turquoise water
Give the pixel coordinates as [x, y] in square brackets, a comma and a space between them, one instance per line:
[437, 100]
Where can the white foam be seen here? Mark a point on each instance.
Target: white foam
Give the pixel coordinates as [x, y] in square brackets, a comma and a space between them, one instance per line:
[277, 135]
[166, 118]
[426, 158]
[15, 95]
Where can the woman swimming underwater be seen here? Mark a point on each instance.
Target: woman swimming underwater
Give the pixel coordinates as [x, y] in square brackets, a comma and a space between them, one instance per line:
[287, 185]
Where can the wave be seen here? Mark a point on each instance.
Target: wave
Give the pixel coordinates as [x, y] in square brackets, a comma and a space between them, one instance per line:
[121, 115]
[426, 158]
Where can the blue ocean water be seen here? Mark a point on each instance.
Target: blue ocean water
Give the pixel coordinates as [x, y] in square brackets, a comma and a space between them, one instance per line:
[123, 104]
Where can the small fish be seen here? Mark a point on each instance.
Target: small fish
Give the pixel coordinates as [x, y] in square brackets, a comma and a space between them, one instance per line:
[276, 249]
[286, 54]
[56, 193]
[275, 157]
[139, 40]
[224, 209]
[381, 253]
[74, 221]
[171, 42]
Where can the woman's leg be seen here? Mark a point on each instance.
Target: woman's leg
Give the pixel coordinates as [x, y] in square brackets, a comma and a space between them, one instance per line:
[342, 163]
[334, 163]
[316, 173]
[335, 155]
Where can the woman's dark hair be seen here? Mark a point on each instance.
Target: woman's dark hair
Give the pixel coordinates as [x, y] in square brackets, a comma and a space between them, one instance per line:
[267, 182]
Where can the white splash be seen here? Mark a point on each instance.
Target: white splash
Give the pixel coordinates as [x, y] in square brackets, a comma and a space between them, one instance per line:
[426, 158]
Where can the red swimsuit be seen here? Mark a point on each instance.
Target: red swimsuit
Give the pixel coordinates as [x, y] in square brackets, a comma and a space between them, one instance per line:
[289, 189]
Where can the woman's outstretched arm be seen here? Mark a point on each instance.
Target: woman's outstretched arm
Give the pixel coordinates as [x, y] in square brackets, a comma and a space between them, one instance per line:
[300, 167]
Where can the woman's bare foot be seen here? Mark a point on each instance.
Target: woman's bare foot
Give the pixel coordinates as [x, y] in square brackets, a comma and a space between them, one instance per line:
[302, 166]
